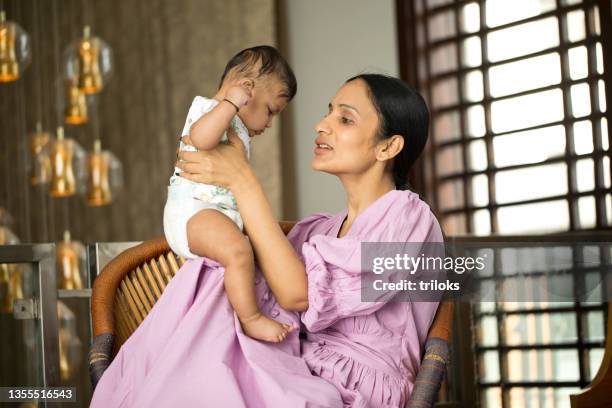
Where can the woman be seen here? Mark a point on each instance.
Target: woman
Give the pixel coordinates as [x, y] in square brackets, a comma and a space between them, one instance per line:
[190, 350]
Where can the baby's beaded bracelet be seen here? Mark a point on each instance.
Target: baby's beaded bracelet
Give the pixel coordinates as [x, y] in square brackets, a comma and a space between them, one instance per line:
[233, 104]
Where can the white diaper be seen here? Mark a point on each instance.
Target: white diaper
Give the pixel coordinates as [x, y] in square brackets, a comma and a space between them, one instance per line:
[180, 207]
[185, 198]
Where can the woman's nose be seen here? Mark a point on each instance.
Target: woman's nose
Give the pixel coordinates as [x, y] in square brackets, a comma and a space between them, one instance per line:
[322, 126]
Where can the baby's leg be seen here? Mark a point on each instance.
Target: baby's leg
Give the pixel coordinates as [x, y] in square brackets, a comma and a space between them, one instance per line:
[212, 234]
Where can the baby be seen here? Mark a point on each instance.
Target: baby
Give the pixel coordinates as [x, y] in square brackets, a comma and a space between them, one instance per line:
[203, 220]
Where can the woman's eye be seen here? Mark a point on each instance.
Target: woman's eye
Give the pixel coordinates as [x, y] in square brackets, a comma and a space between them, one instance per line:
[345, 120]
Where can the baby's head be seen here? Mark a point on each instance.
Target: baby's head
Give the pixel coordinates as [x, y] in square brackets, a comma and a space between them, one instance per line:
[273, 84]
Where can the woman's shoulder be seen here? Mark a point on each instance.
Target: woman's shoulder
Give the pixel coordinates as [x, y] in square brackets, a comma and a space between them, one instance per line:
[314, 219]
[410, 201]
[312, 222]
[411, 217]
[315, 224]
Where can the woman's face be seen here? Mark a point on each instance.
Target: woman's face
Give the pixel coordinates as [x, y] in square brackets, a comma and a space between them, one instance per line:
[347, 134]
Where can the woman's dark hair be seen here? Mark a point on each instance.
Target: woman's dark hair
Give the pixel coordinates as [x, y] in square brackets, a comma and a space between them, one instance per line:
[272, 62]
[401, 111]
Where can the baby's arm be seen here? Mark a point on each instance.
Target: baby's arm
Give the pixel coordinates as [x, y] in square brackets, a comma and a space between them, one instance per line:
[206, 132]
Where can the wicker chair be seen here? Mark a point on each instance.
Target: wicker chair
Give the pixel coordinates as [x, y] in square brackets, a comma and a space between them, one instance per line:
[128, 287]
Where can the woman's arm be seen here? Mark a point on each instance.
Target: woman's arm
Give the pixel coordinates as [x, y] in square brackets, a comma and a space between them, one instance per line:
[226, 166]
[277, 259]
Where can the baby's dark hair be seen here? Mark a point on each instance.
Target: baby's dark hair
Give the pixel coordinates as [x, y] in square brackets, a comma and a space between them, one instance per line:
[272, 62]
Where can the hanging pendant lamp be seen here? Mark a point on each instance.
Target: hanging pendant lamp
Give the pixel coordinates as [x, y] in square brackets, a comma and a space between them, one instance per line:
[10, 274]
[40, 144]
[68, 167]
[63, 182]
[105, 176]
[75, 112]
[99, 192]
[70, 257]
[15, 51]
[89, 60]
[70, 346]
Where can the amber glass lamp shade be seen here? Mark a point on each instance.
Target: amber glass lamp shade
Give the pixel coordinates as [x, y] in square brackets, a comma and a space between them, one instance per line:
[90, 77]
[69, 263]
[89, 61]
[63, 182]
[69, 343]
[14, 49]
[7, 237]
[99, 191]
[75, 112]
[10, 274]
[40, 145]
[11, 287]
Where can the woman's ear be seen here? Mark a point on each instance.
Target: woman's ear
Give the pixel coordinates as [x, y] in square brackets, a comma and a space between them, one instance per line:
[389, 148]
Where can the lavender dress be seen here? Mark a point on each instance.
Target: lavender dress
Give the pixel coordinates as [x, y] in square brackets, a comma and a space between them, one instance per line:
[191, 351]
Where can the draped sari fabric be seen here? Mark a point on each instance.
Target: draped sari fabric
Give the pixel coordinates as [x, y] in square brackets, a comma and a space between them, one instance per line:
[191, 351]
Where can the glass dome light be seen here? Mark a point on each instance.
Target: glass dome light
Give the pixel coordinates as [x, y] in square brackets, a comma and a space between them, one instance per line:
[11, 287]
[70, 263]
[67, 169]
[70, 345]
[89, 61]
[99, 192]
[40, 167]
[105, 176]
[75, 111]
[15, 52]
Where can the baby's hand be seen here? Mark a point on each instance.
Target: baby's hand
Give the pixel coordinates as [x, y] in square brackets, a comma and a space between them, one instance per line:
[240, 95]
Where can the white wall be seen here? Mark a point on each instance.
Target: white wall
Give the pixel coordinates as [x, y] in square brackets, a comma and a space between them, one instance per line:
[327, 42]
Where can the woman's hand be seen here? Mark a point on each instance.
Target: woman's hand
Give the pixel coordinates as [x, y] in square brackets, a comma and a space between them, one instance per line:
[224, 166]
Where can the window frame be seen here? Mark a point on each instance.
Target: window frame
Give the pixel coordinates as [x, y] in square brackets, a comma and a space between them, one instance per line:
[407, 20]
[464, 368]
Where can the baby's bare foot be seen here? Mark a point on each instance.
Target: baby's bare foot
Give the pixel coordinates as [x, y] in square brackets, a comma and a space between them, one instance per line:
[261, 327]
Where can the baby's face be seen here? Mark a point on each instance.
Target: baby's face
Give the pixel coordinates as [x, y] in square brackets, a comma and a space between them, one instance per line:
[267, 102]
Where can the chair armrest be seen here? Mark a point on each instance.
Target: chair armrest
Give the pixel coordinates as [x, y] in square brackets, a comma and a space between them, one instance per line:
[102, 299]
[100, 356]
[430, 374]
[437, 352]
[106, 283]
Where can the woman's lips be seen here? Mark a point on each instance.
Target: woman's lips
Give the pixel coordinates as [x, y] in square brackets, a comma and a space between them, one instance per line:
[322, 148]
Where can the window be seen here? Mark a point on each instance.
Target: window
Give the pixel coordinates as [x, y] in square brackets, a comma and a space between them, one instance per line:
[519, 144]
[517, 90]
